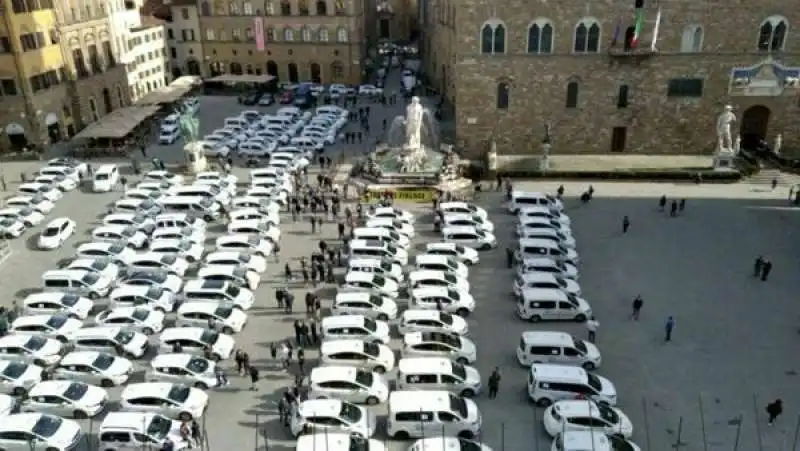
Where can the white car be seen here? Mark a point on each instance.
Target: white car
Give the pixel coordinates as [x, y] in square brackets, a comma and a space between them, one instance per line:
[198, 341]
[55, 233]
[254, 214]
[36, 349]
[143, 194]
[253, 226]
[429, 278]
[464, 254]
[27, 215]
[544, 212]
[369, 90]
[400, 227]
[169, 399]
[140, 221]
[11, 227]
[94, 367]
[59, 181]
[347, 383]
[161, 279]
[66, 399]
[142, 296]
[255, 149]
[147, 207]
[38, 203]
[383, 267]
[363, 281]
[392, 213]
[260, 204]
[159, 187]
[154, 261]
[182, 368]
[442, 298]
[227, 319]
[468, 220]
[164, 176]
[17, 378]
[466, 208]
[437, 344]
[102, 266]
[117, 252]
[544, 264]
[58, 326]
[240, 276]
[49, 192]
[529, 280]
[81, 167]
[236, 259]
[360, 327]
[55, 302]
[469, 236]
[214, 178]
[332, 415]
[49, 432]
[586, 415]
[365, 303]
[140, 319]
[441, 263]
[192, 252]
[425, 320]
[129, 235]
[243, 242]
[362, 354]
[575, 439]
[192, 234]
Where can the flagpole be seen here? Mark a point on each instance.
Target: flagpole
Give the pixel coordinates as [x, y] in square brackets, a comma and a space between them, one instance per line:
[655, 30]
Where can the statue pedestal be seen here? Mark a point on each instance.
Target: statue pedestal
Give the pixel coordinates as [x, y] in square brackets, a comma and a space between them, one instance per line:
[544, 163]
[195, 158]
[724, 160]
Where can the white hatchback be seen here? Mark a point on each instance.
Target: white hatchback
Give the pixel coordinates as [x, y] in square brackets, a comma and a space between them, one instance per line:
[66, 399]
[140, 319]
[55, 233]
[227, 319]
[94, 368]
[419, 320]
[332, 415]
[347, 383]
[169, 399]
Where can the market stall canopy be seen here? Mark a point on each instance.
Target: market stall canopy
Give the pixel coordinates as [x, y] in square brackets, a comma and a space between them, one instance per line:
[248, 78]
[119, 123]
[172, 93]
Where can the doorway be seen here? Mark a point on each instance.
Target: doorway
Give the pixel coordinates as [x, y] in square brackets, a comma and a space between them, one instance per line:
[384, 29]
[618, 137]
[272, 69]
[754, 125]
[316, 73]
[107, 100]
[294, 74]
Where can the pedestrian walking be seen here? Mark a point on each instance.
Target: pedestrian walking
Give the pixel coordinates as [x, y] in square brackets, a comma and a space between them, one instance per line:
[238, 358]
[222, 379]
[662, 202]
[774, 410]
[509, 257]
[638, 302]
[494, 383]
[668, 327]
[759, 263]
[682, 205]
[301, 360]
[284, 356]
[283, 410]
[273, 351]
[591, 326]
[626, 224]
[312, 327]
[765, 270]
[673, 209]
[774, 184]
[253, 378]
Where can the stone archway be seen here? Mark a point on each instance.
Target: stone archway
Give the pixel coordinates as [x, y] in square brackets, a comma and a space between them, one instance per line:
[754, 126]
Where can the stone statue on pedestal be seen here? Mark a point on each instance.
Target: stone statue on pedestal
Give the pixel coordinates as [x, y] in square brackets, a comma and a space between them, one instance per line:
[737, 145]
[778, 143]
[724, 121]
[491, 156]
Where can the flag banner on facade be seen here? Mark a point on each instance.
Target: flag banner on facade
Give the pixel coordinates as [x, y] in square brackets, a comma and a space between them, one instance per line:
[258, 30]
[655, 31]
[615, 37]
[637, 29]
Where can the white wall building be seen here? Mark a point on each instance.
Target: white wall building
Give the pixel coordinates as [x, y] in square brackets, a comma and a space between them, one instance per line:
[183, 38]
[140, 44]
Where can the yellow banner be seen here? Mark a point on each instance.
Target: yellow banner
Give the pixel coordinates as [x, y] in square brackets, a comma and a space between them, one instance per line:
[407, 194]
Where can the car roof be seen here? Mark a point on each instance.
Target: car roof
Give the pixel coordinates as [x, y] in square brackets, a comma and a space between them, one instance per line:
[172, 359]
[50, 387]
[320, 407]
[544, 294]
[28, 320]
[433, 258]
[531, 337]
[130, 421]
[348, 296]
[175, 333]
[57, 222]
[574, 407]
[331, 346]
[416, 400]
[441, 245]
[358, 276]
[198, 306]
[430, 291]
[421, 314]
[585, 440]
[79, 357]
[540, 261]
[549, 371]
[537, 276]
[343, 321]
[536, 242]
[426, 274]
[420, 364]
[97, 331]
[140, 389]
[326, 373]
[127, 290]
[48, 296]
[21, 421]
[459, 229]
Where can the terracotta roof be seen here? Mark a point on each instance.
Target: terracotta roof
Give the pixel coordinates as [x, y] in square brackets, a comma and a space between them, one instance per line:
[155, 8]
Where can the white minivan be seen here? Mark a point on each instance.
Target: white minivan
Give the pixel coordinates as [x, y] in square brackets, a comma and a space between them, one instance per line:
[550, 383]
[431, 414]
[438, 373]
[382, 234]
[556, 347]
[543, 304]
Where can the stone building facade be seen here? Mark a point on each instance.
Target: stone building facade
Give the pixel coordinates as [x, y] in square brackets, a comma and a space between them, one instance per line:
[513, 69]
[304, 40]
[183, 39]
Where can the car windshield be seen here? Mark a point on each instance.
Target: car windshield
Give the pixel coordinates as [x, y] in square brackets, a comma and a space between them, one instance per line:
[392, 250]
[370, 325]
[233, 291]
[460, 371]
[350, 413]
[209, 337]
[447, 339]
[47, 426]
[169, 259]
[90, 278]
[371, 349]
[103, 361]
[124, 337]
[457, 404]
[116, 248]
[50, 231]
[452, 263]
[99, 264]
[460, 249]
[101, 176]
[378, 281]
[594, 382]
[561, 282]
[446, 318]
[467, 445]
[15, 370]
[358, 443]
[154, 293]
[129, 231]
[364, 378]
[35, 343]
[375, 300]
[386, 266]
[253, 240]
[159, 427]
[206, 202]
[75, 391]
[244, 258]
[618, 443]
[223, 312]
[179, 393]
[453, 294]
[140, 314]
[580, 346]
[185, 245]
[6, 222]
[57, 321]
[480, 233]
[197, 365]
[69, 299]
[449, 278]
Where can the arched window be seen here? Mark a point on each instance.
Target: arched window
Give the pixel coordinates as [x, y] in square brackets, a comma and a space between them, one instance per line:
[692, 39]
[269, 34]
[236, 69]
[269, 8]
[540, 37]
[248, 69]
[288, 34]
[233, 7]
[120, 96]
[302, 7]
[337, 70]
[503, 91]
[286, 8]
[493, 37]
[341, 34]
[93, 109]
[587, 36]
[205, 9]
[306, 34]
[573, 89]
[323, 34]
[772, 35]
[322, 8]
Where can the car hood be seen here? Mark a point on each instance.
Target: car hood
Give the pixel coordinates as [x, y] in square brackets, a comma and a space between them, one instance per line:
[94, 396]
[460, 325]
[120, 365]
[607, 388]
[473, 376]
[237, 317]
[381, 329]
[390, 285]
[468, 348]
[386, 355]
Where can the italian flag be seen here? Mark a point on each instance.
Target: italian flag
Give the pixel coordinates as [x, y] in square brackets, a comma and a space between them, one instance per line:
[637, 29]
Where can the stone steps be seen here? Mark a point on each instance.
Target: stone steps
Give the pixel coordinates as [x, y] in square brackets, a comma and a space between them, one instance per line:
[766, 176]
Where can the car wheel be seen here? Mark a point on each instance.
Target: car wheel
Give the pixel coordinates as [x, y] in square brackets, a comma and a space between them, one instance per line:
[400, 435]
[462, 360]
[467, 393]
[380, 369]
[79, 415]
[535, 318]
[107, 383]
[588, 366]
[185, 416]
[462, 312]
[543, 402]
[20, 391]
[148, 331]
[580, 318]
[372, 401]
[201, 385]
[227, 330]
[466, 434]
[216, 357]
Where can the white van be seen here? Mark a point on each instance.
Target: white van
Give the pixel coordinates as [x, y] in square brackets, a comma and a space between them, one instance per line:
[381, 234]
[437, 373]
[522, 199]
[234, 122]
[378, 249]
[591, 439]
[206, 208]
[542, 304]
[557, 347]
[536, 247]
[208, 191]
[83, 283]
[431, 413]
[182, 220]
[167, 137]
[171, 122]
[105, 178]
[549, 383]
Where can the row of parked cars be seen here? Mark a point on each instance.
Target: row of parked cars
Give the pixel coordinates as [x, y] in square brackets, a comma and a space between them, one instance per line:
[580, 405]
[433, 379]
[143, 285]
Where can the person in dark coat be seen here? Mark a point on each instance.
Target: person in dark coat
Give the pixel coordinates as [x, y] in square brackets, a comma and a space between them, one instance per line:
[765, 270]
[774, 410]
